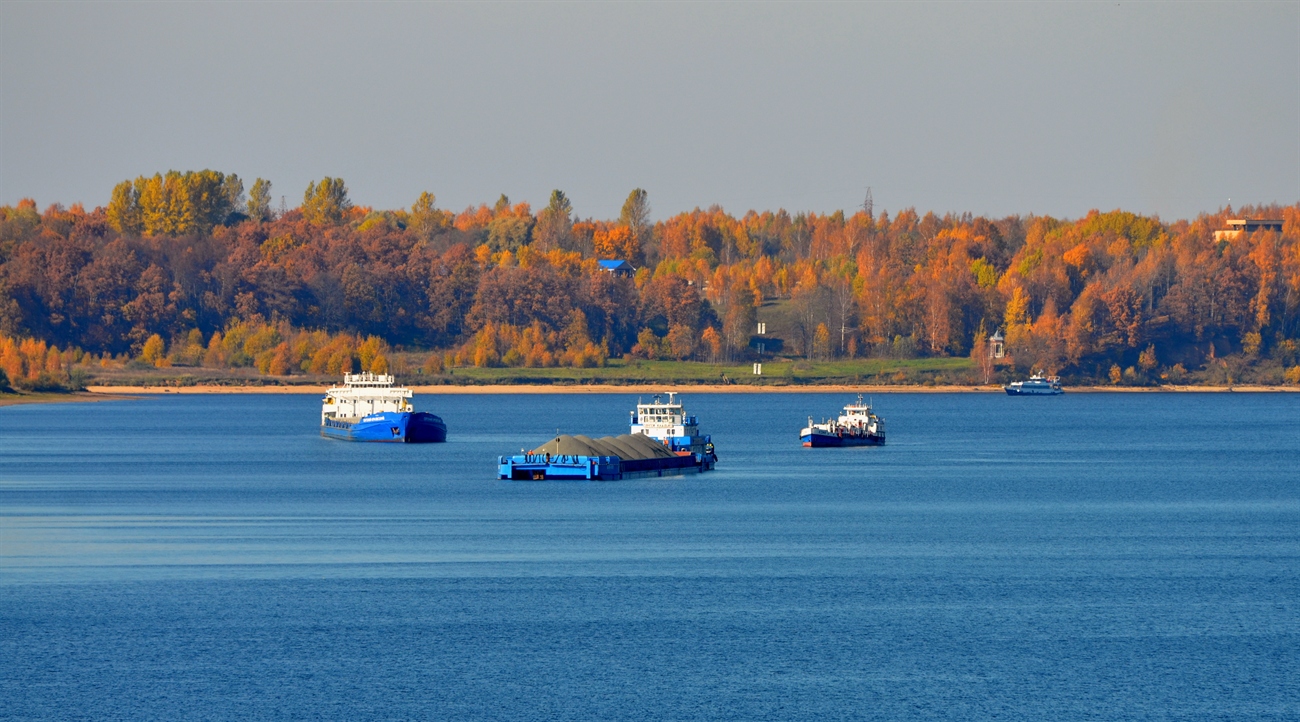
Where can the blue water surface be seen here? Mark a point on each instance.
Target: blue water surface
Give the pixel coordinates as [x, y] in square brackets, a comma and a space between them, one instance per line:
[1091, 556]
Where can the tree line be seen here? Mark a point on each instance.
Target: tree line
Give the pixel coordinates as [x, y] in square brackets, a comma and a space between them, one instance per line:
[179, 259]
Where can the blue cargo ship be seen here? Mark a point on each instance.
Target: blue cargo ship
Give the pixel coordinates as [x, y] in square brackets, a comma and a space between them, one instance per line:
[857, 426]
[367, 407]
[664, 441]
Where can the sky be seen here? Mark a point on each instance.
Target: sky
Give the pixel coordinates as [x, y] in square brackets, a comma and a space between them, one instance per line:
[990, 108]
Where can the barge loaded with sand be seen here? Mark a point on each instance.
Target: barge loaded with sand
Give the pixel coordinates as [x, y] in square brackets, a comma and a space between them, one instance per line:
[664, 441]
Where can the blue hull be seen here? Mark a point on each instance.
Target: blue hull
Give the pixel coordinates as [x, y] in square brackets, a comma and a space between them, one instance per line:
[391, 427]
[541, 467]
[817, 441]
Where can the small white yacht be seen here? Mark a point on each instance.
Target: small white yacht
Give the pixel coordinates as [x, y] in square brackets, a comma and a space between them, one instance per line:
[1036, 385]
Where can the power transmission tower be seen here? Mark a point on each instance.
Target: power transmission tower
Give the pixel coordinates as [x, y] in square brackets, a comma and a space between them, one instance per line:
[867, 204]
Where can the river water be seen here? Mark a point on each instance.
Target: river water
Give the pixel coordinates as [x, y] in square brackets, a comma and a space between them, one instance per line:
[1091, 556]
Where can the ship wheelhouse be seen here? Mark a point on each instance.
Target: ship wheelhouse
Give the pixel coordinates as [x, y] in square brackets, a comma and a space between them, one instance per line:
[855, 415]
[669, 424]
[663, 420]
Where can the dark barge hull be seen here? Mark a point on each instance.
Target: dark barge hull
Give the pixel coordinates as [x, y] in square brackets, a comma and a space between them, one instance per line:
[818, 441]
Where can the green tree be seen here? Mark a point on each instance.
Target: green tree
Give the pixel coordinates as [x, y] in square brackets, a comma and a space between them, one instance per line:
[233, 190]
[426, 219]
[636, 216]
[212, 196]
[508, 232]
[554, 227]
[259, 200]
[326, 202]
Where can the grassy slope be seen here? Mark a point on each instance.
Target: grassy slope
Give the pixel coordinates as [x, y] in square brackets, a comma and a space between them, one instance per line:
[785, 372]
[774, 373]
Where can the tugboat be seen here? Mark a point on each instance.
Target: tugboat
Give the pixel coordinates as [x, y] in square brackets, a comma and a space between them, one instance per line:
[664, 441]
[367, 407]
[667, 423]
[857, 426]
[1037, 385]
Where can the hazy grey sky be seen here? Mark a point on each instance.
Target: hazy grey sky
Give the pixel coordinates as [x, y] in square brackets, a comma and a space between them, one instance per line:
[993, 108]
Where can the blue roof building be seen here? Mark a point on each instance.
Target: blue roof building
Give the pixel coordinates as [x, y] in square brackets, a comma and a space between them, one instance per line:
[618, 267]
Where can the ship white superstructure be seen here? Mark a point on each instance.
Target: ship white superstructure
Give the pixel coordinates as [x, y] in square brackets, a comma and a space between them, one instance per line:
[856, 426]
[663, 419]
[362, 395]
[669, 424]
[1037, 385]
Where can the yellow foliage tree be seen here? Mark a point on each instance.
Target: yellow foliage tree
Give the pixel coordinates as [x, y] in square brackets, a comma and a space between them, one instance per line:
[325, 202]
[822, 342]
[615, 243]
[367, 352]
[174, 203]
[713, 340]
[154, 351]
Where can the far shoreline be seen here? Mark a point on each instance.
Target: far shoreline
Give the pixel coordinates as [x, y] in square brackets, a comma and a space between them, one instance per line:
[93, 394]
[200, 389]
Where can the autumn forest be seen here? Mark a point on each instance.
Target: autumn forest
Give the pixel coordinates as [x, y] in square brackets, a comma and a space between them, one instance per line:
[194, 269]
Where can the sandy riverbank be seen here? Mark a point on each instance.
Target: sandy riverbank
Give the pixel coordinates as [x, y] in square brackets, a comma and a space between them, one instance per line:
[80, 396]
[120, 391]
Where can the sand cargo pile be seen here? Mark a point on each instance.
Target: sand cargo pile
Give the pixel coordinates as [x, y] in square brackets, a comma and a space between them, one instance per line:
[664, 441]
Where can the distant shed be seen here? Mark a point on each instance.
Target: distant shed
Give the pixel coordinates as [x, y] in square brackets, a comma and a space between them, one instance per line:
[618, 267]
